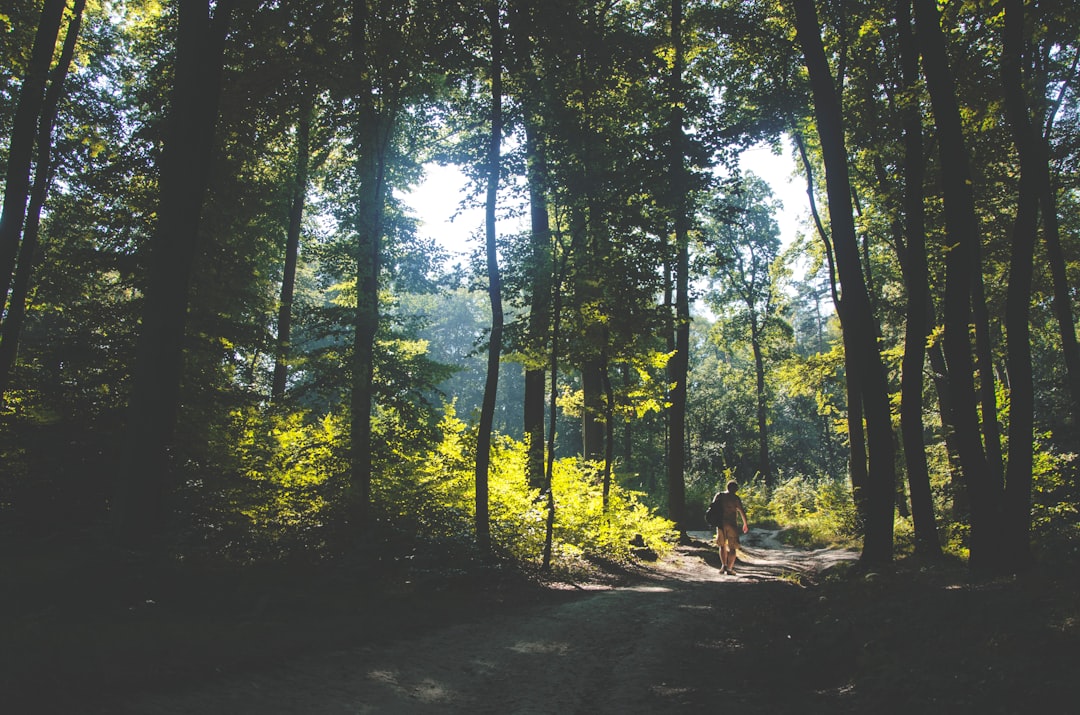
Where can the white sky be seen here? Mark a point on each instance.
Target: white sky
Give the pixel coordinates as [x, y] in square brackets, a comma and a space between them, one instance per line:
[779, 171]
[437, 200]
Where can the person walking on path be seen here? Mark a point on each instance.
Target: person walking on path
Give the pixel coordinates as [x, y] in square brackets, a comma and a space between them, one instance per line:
[727, 533]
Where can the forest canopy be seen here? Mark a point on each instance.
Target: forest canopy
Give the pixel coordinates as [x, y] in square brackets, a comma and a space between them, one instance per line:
[223, 336]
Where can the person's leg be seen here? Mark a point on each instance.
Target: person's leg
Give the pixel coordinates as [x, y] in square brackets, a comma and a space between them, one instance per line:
[732, 541]
[721, 543]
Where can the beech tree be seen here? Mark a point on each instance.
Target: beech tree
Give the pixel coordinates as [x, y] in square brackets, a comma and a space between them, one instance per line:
[865, 371]
[746, 242]
[28, 247]
[495, 341]
[200, 40]
[21, 144]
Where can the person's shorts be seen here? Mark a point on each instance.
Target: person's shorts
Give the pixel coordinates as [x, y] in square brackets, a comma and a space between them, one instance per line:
[728, 534]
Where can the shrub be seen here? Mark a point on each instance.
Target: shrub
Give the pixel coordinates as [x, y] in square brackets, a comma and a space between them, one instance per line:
[813, 512]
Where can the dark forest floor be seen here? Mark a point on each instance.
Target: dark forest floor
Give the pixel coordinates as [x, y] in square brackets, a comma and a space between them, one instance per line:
[796, 631]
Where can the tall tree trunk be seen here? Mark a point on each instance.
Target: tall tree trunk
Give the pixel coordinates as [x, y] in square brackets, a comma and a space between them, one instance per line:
[540, 304]
[375, 126]
[857, 458]
[549, 477]
[917, 325]
[16, 309]
[491, 385]
[589, 267]
[609, 439]
[762, 411]
[866, 373]
[679, 364]
[961, 263]
[1063, 310]
[138, 508]
[371, 208]
[940, 376]
[536, 172]
[1017, 507]
[628, 432]
[292, 248]
[593, 428]
[23, 130]
[984, 367]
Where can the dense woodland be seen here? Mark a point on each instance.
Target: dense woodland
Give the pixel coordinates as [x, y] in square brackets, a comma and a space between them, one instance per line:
[225, 340]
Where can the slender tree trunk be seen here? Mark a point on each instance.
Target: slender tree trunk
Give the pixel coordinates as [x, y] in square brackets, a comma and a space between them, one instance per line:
[762, 411]
[138, 508]
[593, 428]
[588, 285]
[536, 171]
[984, 367]
[587, 294]
[371, 202]
[549, 478]
[375, 125]
[1063, 310]
[1017, 507]
[540, 307]
[940, 375]
[668, 329]
[857, 457]
[23, 129]
[917, 325]
[628, 433]
[11, 328]
[679, 364]
[866, 373]
[292, 248]
[491, 385]
[609, 439]
[983, 490]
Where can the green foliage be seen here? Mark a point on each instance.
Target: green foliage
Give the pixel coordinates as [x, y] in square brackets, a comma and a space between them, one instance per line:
[446, 483]
[811, 512]
[1054, 493]
[287, 485]
[268, 491]
[582, 526]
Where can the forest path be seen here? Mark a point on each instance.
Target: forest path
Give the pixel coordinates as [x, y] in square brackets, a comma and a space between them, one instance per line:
[655, 645]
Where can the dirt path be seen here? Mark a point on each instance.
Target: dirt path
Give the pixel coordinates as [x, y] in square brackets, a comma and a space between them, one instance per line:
[653, 646]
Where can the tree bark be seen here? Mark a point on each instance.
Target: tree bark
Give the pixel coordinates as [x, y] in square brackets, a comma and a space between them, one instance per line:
[540, 305]
[292, 248]
[961, 263]
[375, 126]
[536, 172]
[679, 364]
[487, 408]
[23, 129]
[549, 477]
[1017, 506]
[762, 410]
[138, 508]
[866, 373]
[1063, 310]
[11, 328]
[917, 320]
[372, 174]
[857, 458]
